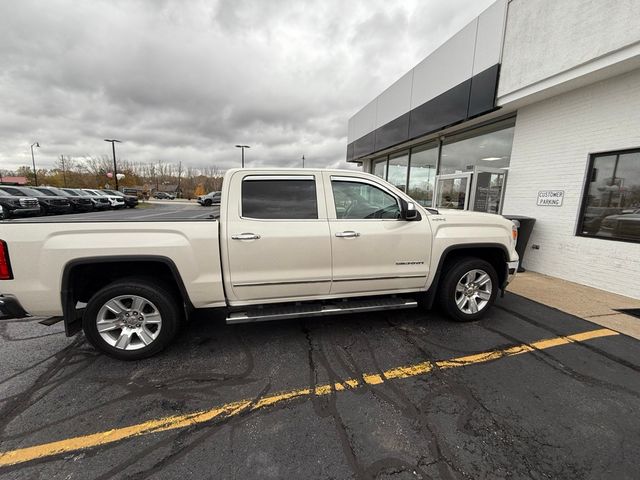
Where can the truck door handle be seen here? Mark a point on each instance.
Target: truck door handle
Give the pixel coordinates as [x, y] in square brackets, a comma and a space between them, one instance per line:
[347, 234]
[245, 236]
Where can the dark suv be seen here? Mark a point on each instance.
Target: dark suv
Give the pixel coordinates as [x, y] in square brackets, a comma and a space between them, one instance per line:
[11, 206]
[78, 204]
[99, 203]
[48, 204]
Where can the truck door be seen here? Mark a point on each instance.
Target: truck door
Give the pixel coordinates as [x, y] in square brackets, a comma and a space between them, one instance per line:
[276, 238]
[373, 249]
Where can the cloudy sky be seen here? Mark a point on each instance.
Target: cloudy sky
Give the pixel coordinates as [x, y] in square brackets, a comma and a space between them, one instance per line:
[187, 80]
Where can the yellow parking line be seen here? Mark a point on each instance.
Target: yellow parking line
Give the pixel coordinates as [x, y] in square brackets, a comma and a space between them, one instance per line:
[27, 454]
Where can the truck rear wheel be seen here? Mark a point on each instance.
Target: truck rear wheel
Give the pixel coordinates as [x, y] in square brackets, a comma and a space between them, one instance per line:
[468, 289]
[131, 319]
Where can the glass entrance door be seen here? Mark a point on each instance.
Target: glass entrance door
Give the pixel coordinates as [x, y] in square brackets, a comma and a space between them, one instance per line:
[452, 191]
[488, 189]
[481, 190]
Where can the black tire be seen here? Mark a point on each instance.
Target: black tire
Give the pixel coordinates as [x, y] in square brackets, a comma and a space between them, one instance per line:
[448, 295]
[167, 304]
[208, 202]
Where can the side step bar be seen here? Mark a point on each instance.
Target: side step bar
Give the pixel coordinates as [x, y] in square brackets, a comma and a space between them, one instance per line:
[283, 311]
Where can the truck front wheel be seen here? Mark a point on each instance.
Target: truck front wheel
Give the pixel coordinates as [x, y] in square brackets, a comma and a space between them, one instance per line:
[131, 319]
[468, 289]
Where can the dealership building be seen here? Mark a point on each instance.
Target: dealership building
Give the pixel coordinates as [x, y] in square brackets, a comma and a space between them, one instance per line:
[531, 109]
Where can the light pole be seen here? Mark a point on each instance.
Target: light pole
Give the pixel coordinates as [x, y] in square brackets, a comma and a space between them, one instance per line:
[243, 147]
[64, 171]
[33, 159]
[115, 167]
[303, 161]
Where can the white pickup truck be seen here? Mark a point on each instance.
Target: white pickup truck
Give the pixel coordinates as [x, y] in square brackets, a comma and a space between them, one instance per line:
[287, 243]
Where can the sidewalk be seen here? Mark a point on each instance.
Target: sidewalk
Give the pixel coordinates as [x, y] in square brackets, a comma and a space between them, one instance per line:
[589, 303]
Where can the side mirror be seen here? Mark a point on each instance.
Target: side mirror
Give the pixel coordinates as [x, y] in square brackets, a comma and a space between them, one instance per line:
[409, 211]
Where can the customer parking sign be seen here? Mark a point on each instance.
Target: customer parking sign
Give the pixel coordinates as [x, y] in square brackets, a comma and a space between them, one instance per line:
[550, 198]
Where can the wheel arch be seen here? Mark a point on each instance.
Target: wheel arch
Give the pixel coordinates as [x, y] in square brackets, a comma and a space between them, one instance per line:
[495, 253]
[104, 270]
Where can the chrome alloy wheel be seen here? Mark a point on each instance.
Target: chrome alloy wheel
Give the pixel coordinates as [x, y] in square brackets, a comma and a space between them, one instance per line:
[473, 291]
[129, 322]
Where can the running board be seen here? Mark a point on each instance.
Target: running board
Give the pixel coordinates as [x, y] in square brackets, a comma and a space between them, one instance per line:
[284, 311]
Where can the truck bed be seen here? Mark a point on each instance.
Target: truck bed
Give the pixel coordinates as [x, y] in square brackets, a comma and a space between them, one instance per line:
[41, 255]
[147, 212]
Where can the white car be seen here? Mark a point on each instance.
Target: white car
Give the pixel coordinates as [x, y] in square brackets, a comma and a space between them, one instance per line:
[288, 243]
[116, 201]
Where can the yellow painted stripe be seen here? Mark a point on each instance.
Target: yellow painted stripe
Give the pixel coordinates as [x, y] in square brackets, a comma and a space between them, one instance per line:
[27, 454]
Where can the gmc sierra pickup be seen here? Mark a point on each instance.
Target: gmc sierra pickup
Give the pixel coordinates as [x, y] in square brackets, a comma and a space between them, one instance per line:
[288, 242]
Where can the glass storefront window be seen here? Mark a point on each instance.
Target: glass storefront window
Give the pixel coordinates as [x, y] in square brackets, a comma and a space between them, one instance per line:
[380, 167]
[397, 173]
[611, 206]
[422, 173]
[488, 146]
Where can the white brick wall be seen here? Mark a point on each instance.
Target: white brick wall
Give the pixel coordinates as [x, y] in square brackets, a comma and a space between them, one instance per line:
[552, 141]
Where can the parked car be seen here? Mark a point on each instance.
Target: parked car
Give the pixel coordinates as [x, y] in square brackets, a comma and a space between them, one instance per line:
[593, 217]
[211, 198]
[99, 202]
[116, 201]
[11, 206]
[78, 204]
[164, 196]
[283, 249]
[49, 204]
[624, 226]
[133, 192]
[130, 201]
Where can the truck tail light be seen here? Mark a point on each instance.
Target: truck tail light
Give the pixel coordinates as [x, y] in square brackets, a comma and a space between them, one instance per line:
[5, 265]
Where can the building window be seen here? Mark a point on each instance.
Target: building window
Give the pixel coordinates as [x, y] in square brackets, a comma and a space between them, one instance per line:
[611, 200]
[380, 167]
[422, 173]
[279, 198]
[488, 146]
[397, 170]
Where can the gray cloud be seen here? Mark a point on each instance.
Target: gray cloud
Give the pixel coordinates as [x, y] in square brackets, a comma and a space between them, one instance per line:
[187, 80]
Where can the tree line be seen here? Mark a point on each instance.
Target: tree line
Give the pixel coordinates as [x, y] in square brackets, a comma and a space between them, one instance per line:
[93, 172]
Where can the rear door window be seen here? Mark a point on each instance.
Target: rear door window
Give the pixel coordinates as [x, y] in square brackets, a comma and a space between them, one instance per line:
[280, 197]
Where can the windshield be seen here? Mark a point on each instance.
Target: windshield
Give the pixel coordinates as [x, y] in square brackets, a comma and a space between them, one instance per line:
[111, 192]
[57, 191]
[46, 191]
[71, 192]
[22, 192]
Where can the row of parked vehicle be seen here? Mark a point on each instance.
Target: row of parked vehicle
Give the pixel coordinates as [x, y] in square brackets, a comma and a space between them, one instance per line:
[32, 201]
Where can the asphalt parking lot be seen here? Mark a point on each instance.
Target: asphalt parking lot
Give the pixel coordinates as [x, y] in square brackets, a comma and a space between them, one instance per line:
[529, 392]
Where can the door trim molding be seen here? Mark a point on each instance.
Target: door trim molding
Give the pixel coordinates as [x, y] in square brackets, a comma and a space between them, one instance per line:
[289, 282]
[359, 279]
